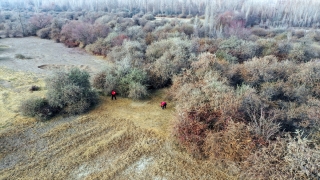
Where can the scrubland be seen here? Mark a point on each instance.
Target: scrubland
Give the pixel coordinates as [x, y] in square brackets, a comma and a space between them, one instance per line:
[241, 83]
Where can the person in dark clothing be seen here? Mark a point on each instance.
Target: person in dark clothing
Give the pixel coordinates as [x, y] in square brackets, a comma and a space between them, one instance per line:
[113, 95]
[163, 105]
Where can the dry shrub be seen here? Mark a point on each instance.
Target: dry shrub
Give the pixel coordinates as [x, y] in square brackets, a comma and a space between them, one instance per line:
[149, 39]
[131, 51]
[99, 80]
[38, 108]
[299, 33]
[166, 58]
[259, 32]
[40, 21]
[204, 105]
[71, 43]
[137, 91]
[236, 50]
[302, 116]
[21, 56]
[44, 33]
[266, 163]
[316, 36]
[235, 143]
[266, 69]
[34, 88]
[309, 75]
[294, 158]
[191, 128]
[55, 34]
[99, 47]
[209, 61]
[264, 125]
[298, 53]
[268, 47]
[186, 29]
[149, 27]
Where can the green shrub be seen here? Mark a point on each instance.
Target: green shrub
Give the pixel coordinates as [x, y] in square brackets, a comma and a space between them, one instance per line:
[71, 90]
[137, 91]
[38, 108]
[134, 76]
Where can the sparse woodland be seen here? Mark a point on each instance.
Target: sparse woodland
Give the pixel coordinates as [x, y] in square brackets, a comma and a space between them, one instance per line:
[244, 75]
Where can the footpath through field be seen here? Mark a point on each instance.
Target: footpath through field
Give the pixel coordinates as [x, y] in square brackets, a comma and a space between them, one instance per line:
[144, 113]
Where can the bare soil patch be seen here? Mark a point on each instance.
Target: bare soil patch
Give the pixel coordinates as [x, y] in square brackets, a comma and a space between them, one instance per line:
[45, 56]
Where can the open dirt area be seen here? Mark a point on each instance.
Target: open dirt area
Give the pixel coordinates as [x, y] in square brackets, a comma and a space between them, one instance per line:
[43, 56]
[119, 139]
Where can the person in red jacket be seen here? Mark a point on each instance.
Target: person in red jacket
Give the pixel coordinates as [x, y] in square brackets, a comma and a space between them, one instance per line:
[163, 104]
[113, 95]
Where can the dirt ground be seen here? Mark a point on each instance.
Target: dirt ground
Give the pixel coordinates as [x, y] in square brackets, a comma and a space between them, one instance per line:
[118, 139]
[44, 56]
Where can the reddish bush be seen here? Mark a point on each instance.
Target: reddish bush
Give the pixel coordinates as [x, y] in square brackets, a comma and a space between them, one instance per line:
[71, 43]
[78, 31]
[41, 20]
[191, 129]
[117, 41]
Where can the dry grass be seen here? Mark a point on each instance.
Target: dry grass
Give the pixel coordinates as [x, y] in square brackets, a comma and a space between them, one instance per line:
[14, 86]
[119, 139]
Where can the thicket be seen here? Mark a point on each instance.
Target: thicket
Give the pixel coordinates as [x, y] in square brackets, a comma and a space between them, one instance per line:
[244, 112]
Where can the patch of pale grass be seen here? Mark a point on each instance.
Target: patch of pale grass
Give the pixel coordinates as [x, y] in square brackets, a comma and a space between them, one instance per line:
[14, 87]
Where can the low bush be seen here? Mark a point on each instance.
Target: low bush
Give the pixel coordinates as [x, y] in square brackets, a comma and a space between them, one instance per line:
[149, 17]
[44, 33]
[299, 33]
[34, 88]
[259, 32]
[38, 108]
[298, 53]
[21, 56]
